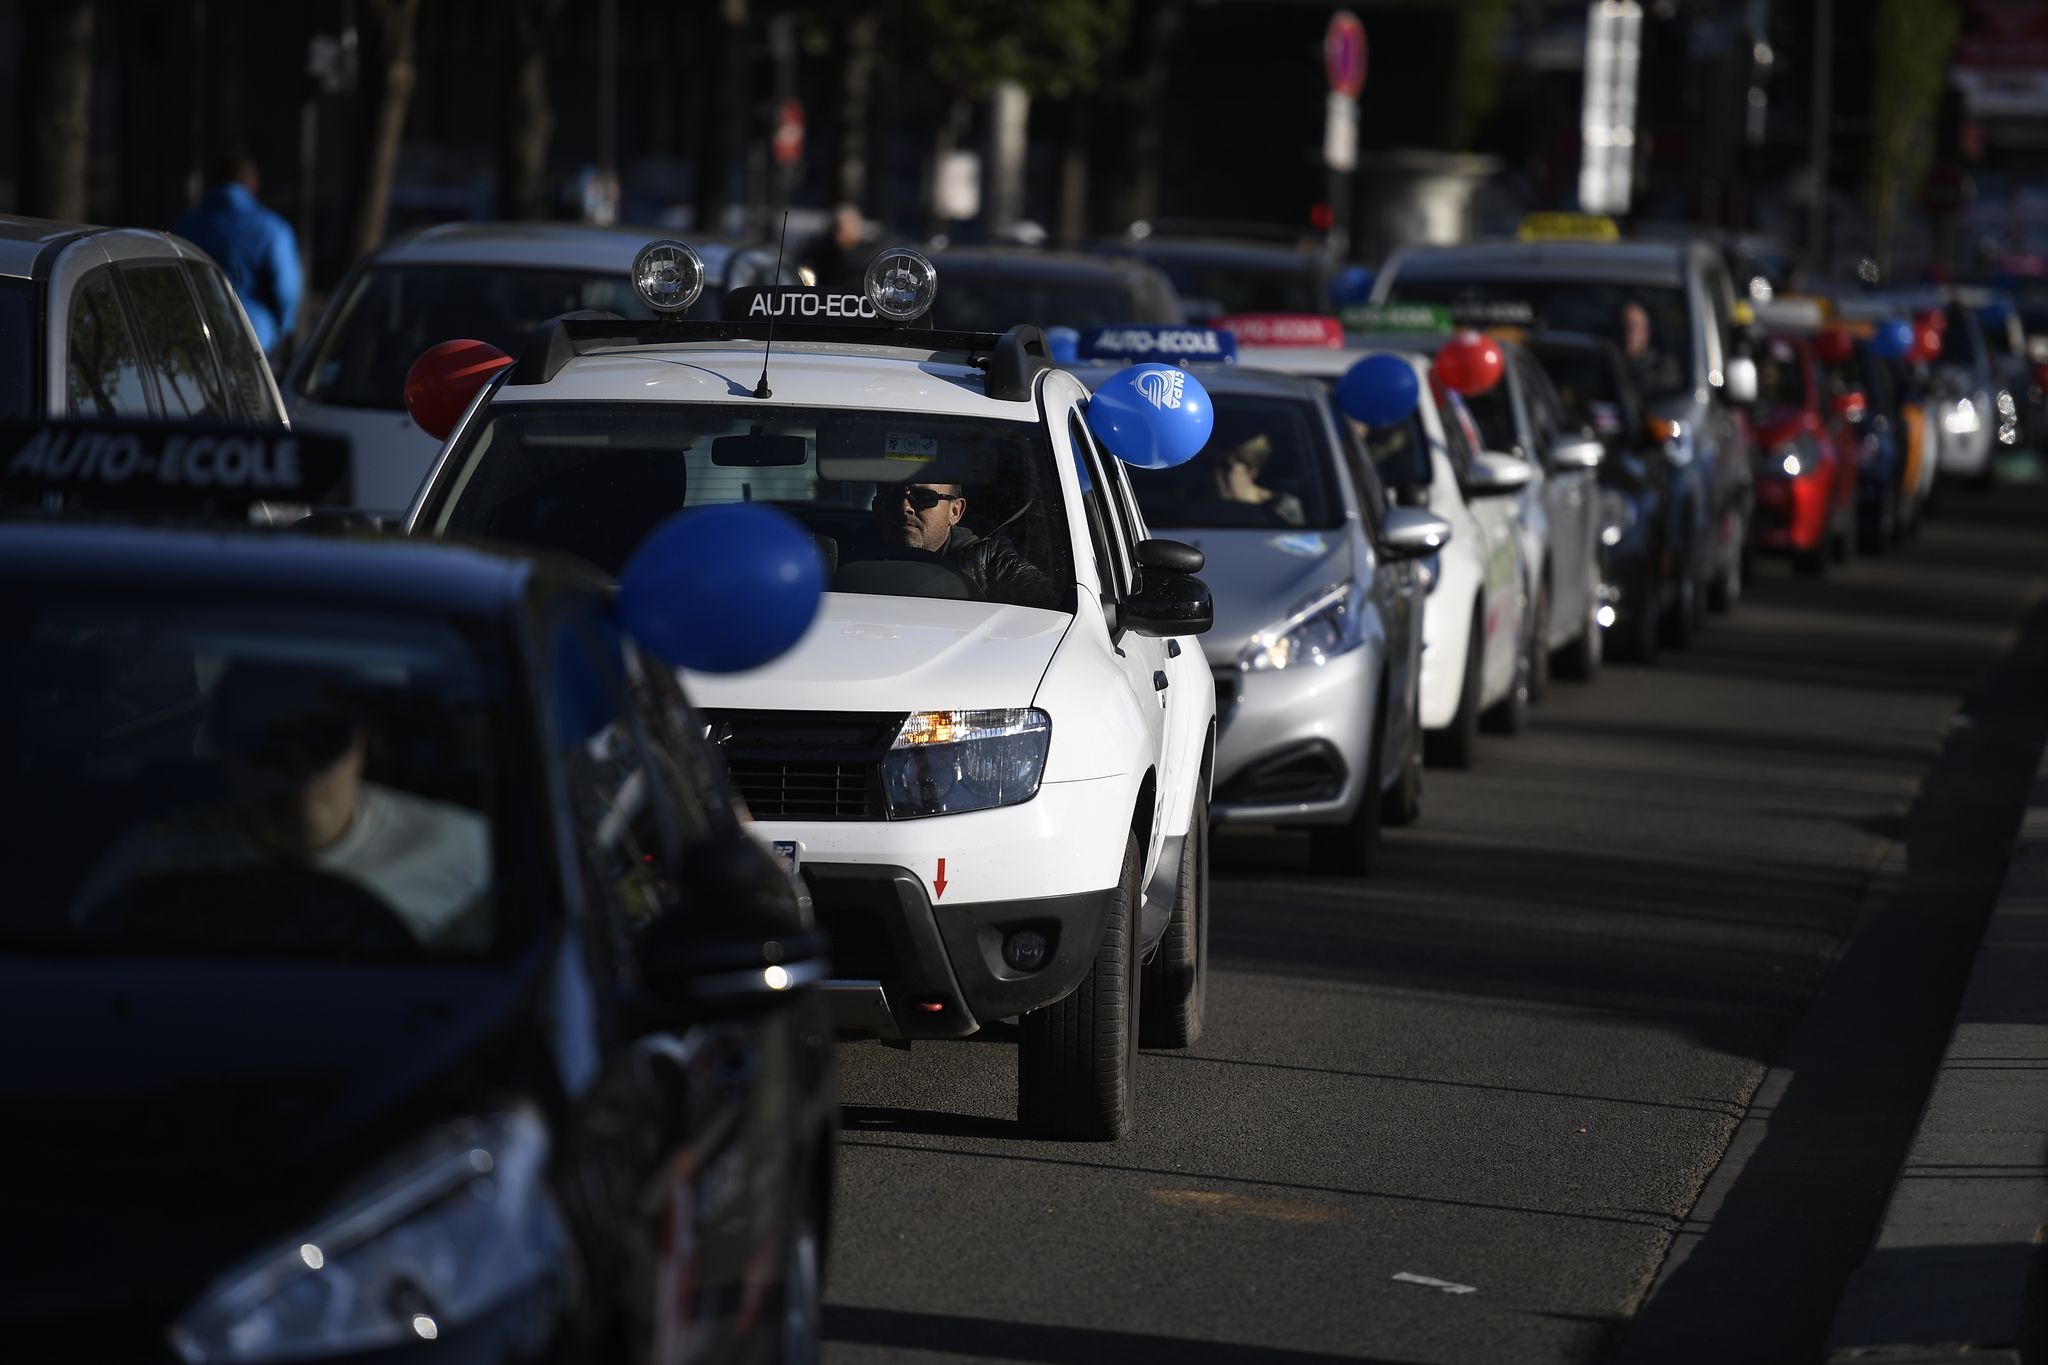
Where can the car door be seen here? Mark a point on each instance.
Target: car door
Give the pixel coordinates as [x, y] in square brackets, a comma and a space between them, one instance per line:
[1574, 509]
[1141, 660]
[1498, 522]
[683, 1127]
[1393, 585]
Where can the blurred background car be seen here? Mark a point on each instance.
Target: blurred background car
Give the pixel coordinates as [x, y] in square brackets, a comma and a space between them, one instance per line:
[1221, 269]
[1808, 450]
[995, 288]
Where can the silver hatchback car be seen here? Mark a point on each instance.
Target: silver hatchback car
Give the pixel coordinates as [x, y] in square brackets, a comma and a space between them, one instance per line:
[1319, 583]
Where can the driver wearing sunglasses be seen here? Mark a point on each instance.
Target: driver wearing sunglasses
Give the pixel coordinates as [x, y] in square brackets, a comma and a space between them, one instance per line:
[926, 517]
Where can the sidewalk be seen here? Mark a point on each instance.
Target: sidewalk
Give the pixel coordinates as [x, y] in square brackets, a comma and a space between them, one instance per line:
[1956, 1272]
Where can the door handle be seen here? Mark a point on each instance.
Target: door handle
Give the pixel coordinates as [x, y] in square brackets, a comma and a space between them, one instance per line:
[1173, 649]
[1159, 680]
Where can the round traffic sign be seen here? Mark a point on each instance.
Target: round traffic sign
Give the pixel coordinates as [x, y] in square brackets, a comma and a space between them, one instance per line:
[1344, 53]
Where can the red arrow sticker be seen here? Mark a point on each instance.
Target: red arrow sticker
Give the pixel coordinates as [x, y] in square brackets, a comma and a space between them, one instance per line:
[939, 882]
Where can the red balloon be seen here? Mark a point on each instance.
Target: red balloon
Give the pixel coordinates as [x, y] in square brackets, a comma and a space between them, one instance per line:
[1931, 317]
[1470, 363]
[441, 382]
[1834, 346]
[1926, 342]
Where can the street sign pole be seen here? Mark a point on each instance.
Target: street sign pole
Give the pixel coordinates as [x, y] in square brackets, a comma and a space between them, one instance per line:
[1344, 58]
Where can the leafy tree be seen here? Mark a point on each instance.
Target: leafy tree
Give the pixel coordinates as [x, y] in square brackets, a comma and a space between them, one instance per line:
[1914, 40]
[54, 109]
[1051, 47]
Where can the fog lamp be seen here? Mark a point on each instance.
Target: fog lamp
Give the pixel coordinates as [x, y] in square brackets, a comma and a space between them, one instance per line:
[1025, 950]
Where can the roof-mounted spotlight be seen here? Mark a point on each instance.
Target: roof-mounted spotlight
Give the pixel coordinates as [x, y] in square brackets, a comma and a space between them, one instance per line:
[901, 284]
[669, 276]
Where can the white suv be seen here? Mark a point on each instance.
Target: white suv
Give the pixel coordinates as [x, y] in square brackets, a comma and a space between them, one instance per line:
[989, 757]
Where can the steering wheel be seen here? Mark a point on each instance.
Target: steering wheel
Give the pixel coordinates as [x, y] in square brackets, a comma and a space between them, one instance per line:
[272, 910]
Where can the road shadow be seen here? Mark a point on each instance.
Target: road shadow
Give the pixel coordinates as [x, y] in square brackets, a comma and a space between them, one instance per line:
[964, 1338]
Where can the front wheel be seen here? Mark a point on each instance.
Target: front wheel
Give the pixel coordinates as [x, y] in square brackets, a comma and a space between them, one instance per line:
[1454, 745]
[802, 1334]
[1539, 657]
[1176, 980]
[1581, 658]
[1403, 801]
[1077, 1058]
[1510, 715]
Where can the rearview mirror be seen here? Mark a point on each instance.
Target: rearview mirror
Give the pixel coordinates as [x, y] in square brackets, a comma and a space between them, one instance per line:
[1577, 452]
[1495, 475]
[1411, 533]
[757, 449]
[1167, 603]
[1740, 380]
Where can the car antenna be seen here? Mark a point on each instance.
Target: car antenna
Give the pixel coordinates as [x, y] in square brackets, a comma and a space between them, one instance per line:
[761, 390]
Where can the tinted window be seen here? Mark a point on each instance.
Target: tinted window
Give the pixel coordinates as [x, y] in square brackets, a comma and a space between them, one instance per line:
[1589, 388]
[1494, 414]
[1962, 343]
[1663, 359]
[19, 346]
[1267, 463]
[1224, 285]
[168, 316]
[992, 302]
[592, 479]
[1365, 480]
[392, 313]
[103, 374]
[217, 779]
[1399, 454]
[247, 374]
[1780, 375]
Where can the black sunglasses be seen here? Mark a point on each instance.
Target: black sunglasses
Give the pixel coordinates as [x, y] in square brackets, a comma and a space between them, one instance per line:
[923, 499]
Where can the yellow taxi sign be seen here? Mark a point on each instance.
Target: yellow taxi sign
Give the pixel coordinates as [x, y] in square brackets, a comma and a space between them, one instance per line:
[1568, 227]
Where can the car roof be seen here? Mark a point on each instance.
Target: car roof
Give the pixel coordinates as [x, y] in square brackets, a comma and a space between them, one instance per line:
[572, 246]
[1640, 263]
[1028, 262]
[1242, 377]
[1254, 254]
[24, 240]
[411, 576]
[802, 373]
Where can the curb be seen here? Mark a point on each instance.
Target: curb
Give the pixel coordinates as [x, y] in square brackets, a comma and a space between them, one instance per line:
[1955, 1273]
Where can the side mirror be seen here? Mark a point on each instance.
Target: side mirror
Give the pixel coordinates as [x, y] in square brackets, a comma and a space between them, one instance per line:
[1411, 533]
[1171, 556]
[1497, 475]
[1168, 603]
[1739, 380]
[1850, 406]
[1577, 452]
[744, 941]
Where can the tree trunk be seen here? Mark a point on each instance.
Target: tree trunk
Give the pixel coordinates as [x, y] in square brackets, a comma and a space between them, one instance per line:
[154, 62]
[858, 38]
[528, 127]
[55, 109]
[391, 73]
[722, 114]
[1071, 223]
[1148, 109]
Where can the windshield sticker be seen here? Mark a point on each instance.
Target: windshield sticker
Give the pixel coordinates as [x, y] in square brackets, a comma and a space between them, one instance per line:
[1304, 543]
[903, 445]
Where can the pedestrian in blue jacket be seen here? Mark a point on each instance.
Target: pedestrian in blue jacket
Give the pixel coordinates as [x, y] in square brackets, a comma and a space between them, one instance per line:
[256, 248]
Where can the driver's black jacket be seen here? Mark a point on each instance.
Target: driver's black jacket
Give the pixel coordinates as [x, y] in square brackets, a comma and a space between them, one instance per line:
[996, 572]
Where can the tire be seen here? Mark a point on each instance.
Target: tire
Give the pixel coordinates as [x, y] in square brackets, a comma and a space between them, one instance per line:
[1077, 1058]
[1885, 533]
[1352, 848]
[1454, 745]
[1539, 637]
[1681, 623]
[1726, 589]
[1403, 803]
[1510, 715]
[1580, 660]
[1176, 986]
[802, 1333]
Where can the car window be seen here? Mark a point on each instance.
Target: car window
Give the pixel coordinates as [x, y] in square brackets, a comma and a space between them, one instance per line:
[103, 374]
[1493, 412]
[19, 347]
[1461, 436]
[1545, 420]
[1652, 323]
[1266, 464]
[1780, 375]
[219, 779]
[1365, 480]
[168, 317]
[910, 504]
[247, 376]
[1588, 389]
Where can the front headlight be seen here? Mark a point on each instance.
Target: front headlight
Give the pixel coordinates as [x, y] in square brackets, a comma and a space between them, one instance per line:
[1312, 634]
[1962, 420]
[944, 762]
[464, 1227]
[1617, 517]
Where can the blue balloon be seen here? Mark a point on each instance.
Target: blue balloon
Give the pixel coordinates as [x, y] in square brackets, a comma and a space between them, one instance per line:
[722, 589]
[1380, 390]
[1065, 343]
[1352, 285]
[1893, 339]
[1151, 416]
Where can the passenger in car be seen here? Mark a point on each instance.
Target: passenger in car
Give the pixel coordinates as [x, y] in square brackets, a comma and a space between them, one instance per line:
[1237, 480]
[925, 517]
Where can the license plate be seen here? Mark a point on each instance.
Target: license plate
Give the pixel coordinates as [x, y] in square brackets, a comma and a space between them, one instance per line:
[791, 853]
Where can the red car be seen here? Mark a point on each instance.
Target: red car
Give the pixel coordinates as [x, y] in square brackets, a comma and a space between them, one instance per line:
[1808, 444]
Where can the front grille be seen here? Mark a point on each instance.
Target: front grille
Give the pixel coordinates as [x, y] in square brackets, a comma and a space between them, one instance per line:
[806, 765]
[1310, 771]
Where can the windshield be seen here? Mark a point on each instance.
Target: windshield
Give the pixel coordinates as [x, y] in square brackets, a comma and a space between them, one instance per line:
[1649, 322]
[17, 348]
[217, 779]
[1399, 453]
[996, 303]
[1962, 341]
[1267, 464]
[1213, 287]
[906, 504]
[395, 312]
[1780, 375]
[1493, 412]
[1589, 386]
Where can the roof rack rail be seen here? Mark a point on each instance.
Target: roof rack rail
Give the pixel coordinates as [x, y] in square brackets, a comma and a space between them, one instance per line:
[1021, 355]
[560, 340]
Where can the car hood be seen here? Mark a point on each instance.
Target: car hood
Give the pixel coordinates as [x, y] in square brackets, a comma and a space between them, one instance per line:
[1258, 576]
[174, 1116]
[871, 653]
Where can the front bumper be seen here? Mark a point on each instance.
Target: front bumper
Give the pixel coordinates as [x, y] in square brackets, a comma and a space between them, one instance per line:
[1295, 743]
[904, 968]
[1792, 514]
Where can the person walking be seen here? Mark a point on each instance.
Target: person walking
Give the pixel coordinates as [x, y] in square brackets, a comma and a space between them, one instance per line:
[256, 247]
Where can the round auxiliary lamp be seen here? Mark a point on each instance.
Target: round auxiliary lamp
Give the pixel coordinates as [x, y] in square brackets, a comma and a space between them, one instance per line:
[669, 276]
[901, 284]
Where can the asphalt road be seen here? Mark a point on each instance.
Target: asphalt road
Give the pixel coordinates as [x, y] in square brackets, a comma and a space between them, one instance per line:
[1512, 1060]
